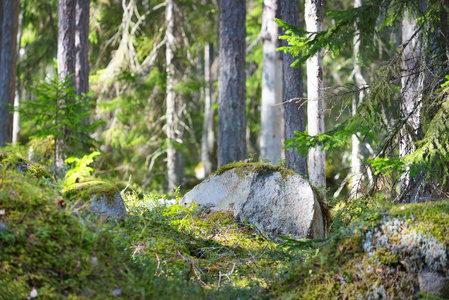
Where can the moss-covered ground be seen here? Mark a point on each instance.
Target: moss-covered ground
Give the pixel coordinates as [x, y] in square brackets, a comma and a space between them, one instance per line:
[172, 252]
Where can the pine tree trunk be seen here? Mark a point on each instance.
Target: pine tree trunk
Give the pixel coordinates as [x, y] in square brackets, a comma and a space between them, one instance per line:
[356, 151]
[8, 67]
[295, 119]
[232, 90]
[271, 119]
[208, 137]
[66, 58]
[315, 97]
[175, 159]
[82, 47]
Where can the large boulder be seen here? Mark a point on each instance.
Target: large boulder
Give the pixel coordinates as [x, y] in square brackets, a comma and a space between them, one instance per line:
[98, 198]
[274, 199]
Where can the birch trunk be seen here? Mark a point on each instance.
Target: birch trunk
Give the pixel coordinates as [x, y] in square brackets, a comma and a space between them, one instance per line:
[232, 90]
[175, 159]
[8, 67]
[271, 113]
[411, 88]
[208, 137]
[356, 151]
[16, 115]
[315, 96]
[294, 114]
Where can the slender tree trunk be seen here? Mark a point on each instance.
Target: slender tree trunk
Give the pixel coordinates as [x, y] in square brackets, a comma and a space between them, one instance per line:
[232, 90]
[8, 67]
[82, 47]
[295, 119]
[411, 86]
[356, 154]
[280, 88]
[175, 159]
[315, 96]
[271, 119]
[66, 58]
[208, 138]
[16, 115]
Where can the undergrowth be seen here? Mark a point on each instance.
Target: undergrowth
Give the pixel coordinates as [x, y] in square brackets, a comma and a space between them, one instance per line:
[162, 250]
[158, 251]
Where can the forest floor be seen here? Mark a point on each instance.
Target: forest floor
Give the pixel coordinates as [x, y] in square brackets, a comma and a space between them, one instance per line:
[159, 251]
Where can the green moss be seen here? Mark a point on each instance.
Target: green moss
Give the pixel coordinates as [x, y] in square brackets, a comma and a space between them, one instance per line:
[430, 217]
[12, 161]
[342, 269]
[45, 247]
[243, 169]
[86, 190]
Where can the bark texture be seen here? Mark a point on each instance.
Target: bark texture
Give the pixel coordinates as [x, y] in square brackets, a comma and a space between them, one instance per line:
[295, 119]
[411, 89]
[82, 47]
[315, 97]
[208, 137]
[356, 151]
[66, 37]
[232, 90]
[65, 57]
[8, 66]
[16, 115]
[271, 133]
[175, 158]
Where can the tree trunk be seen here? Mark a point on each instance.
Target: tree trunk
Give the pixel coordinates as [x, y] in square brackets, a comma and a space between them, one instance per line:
[175, 159]
[82, 47]
[65, 57]
[16, 115]
[411, 89]
[271, 113]
[208, 138]
[315, 97]
[232, 90]
[359, 81]
[295, 119]
[8, 67]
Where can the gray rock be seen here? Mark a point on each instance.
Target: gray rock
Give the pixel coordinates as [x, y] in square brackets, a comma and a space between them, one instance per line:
[275, 200]
[96, 198]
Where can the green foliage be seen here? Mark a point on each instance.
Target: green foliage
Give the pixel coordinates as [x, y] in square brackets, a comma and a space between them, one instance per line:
[380, 119]
[80, 168]
[431, 154]
[58, 112]
[338, 37]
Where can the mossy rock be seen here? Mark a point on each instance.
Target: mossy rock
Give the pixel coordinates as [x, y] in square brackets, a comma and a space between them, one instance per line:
[46, 249]
[398, 253]
[244, 169]
[96, 198]
[14, 162]
[276, 200]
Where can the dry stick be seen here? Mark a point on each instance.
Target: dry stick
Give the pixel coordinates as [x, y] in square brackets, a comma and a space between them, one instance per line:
[129, 181]
[158, 265]
[367, 285]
